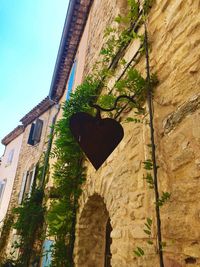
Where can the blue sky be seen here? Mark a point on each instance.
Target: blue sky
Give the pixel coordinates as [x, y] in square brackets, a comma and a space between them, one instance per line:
[30, 33]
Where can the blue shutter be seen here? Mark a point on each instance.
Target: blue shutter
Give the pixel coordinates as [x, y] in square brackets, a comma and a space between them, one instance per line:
[46, 260]
[71, 80]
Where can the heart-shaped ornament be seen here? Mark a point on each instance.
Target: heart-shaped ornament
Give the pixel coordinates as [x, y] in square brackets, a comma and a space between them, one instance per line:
[97, 137]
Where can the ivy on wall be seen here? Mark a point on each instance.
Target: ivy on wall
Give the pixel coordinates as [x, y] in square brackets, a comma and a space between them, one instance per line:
[69, 171]
[28, 221]
[5, 230]
[68, 177]
[30, 218]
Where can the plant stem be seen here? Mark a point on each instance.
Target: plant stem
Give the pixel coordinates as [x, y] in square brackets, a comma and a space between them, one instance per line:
[155, 178]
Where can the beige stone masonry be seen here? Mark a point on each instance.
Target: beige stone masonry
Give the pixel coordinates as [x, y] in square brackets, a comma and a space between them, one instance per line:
[174, 33]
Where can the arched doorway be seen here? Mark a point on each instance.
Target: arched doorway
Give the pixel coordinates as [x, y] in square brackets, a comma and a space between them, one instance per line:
[93, 235]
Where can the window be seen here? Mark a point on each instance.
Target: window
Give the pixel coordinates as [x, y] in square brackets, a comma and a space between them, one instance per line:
[10, 157]
[71, 80]
[35, 132]
[2, 188]
[27, 184]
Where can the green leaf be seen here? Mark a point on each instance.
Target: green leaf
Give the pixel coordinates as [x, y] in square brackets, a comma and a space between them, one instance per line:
[149, 221]
[130, 119]
[149, 227]
[139, 252]
[148, 165]
[147, 232]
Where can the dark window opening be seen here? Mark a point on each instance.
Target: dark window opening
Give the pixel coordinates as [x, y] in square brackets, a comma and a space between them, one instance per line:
[35, 132]
[108, 254]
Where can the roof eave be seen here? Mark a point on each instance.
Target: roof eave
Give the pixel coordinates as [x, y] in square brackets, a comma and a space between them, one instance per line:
[12, 135]
[76, 19]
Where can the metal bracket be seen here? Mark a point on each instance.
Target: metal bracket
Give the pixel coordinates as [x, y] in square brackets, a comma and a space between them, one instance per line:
[99, 109]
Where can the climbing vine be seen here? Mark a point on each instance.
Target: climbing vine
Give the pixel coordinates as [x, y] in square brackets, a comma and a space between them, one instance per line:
[69, 171]
[68, 176]
[30, 218]
[7, 225]
[28, 221]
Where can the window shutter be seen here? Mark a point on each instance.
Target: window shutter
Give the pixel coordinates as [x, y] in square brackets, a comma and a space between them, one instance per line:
[32, 180]
[30, 138]
[2, 188]
[71, 81]
[37, 130]
[22, 188]
[10, 156]
[47, 253]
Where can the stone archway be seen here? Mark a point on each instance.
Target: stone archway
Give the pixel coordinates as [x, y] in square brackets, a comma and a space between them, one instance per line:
[92, 234]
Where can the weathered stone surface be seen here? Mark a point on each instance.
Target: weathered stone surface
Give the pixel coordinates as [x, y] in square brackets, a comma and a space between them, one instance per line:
[174, 32]
[186, 109]
[172, 263]
[192, 250]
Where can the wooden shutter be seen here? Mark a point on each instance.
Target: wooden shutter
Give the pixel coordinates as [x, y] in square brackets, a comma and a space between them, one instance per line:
[2, 188]
[10, 156]
[37, 130]
[71, 81]
[22, 188]
[47, 253]
[30, 138]
[32, 180]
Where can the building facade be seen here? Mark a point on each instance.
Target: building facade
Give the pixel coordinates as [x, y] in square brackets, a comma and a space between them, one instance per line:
[12, 142]
[116, 215]
[32, 145]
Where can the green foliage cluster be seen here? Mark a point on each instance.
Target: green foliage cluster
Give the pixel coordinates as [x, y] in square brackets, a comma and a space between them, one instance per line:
[132, 85]
[30, 217]
[147, 230]
[28, 220]
[68, 176]
[164, 198]
[5, 230]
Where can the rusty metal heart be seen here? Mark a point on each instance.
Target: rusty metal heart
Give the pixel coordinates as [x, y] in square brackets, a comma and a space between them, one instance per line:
[97, 137]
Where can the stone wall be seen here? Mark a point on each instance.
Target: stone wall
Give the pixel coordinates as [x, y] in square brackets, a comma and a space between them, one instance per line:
[174, 31]
[30, 155]
[102, 15]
